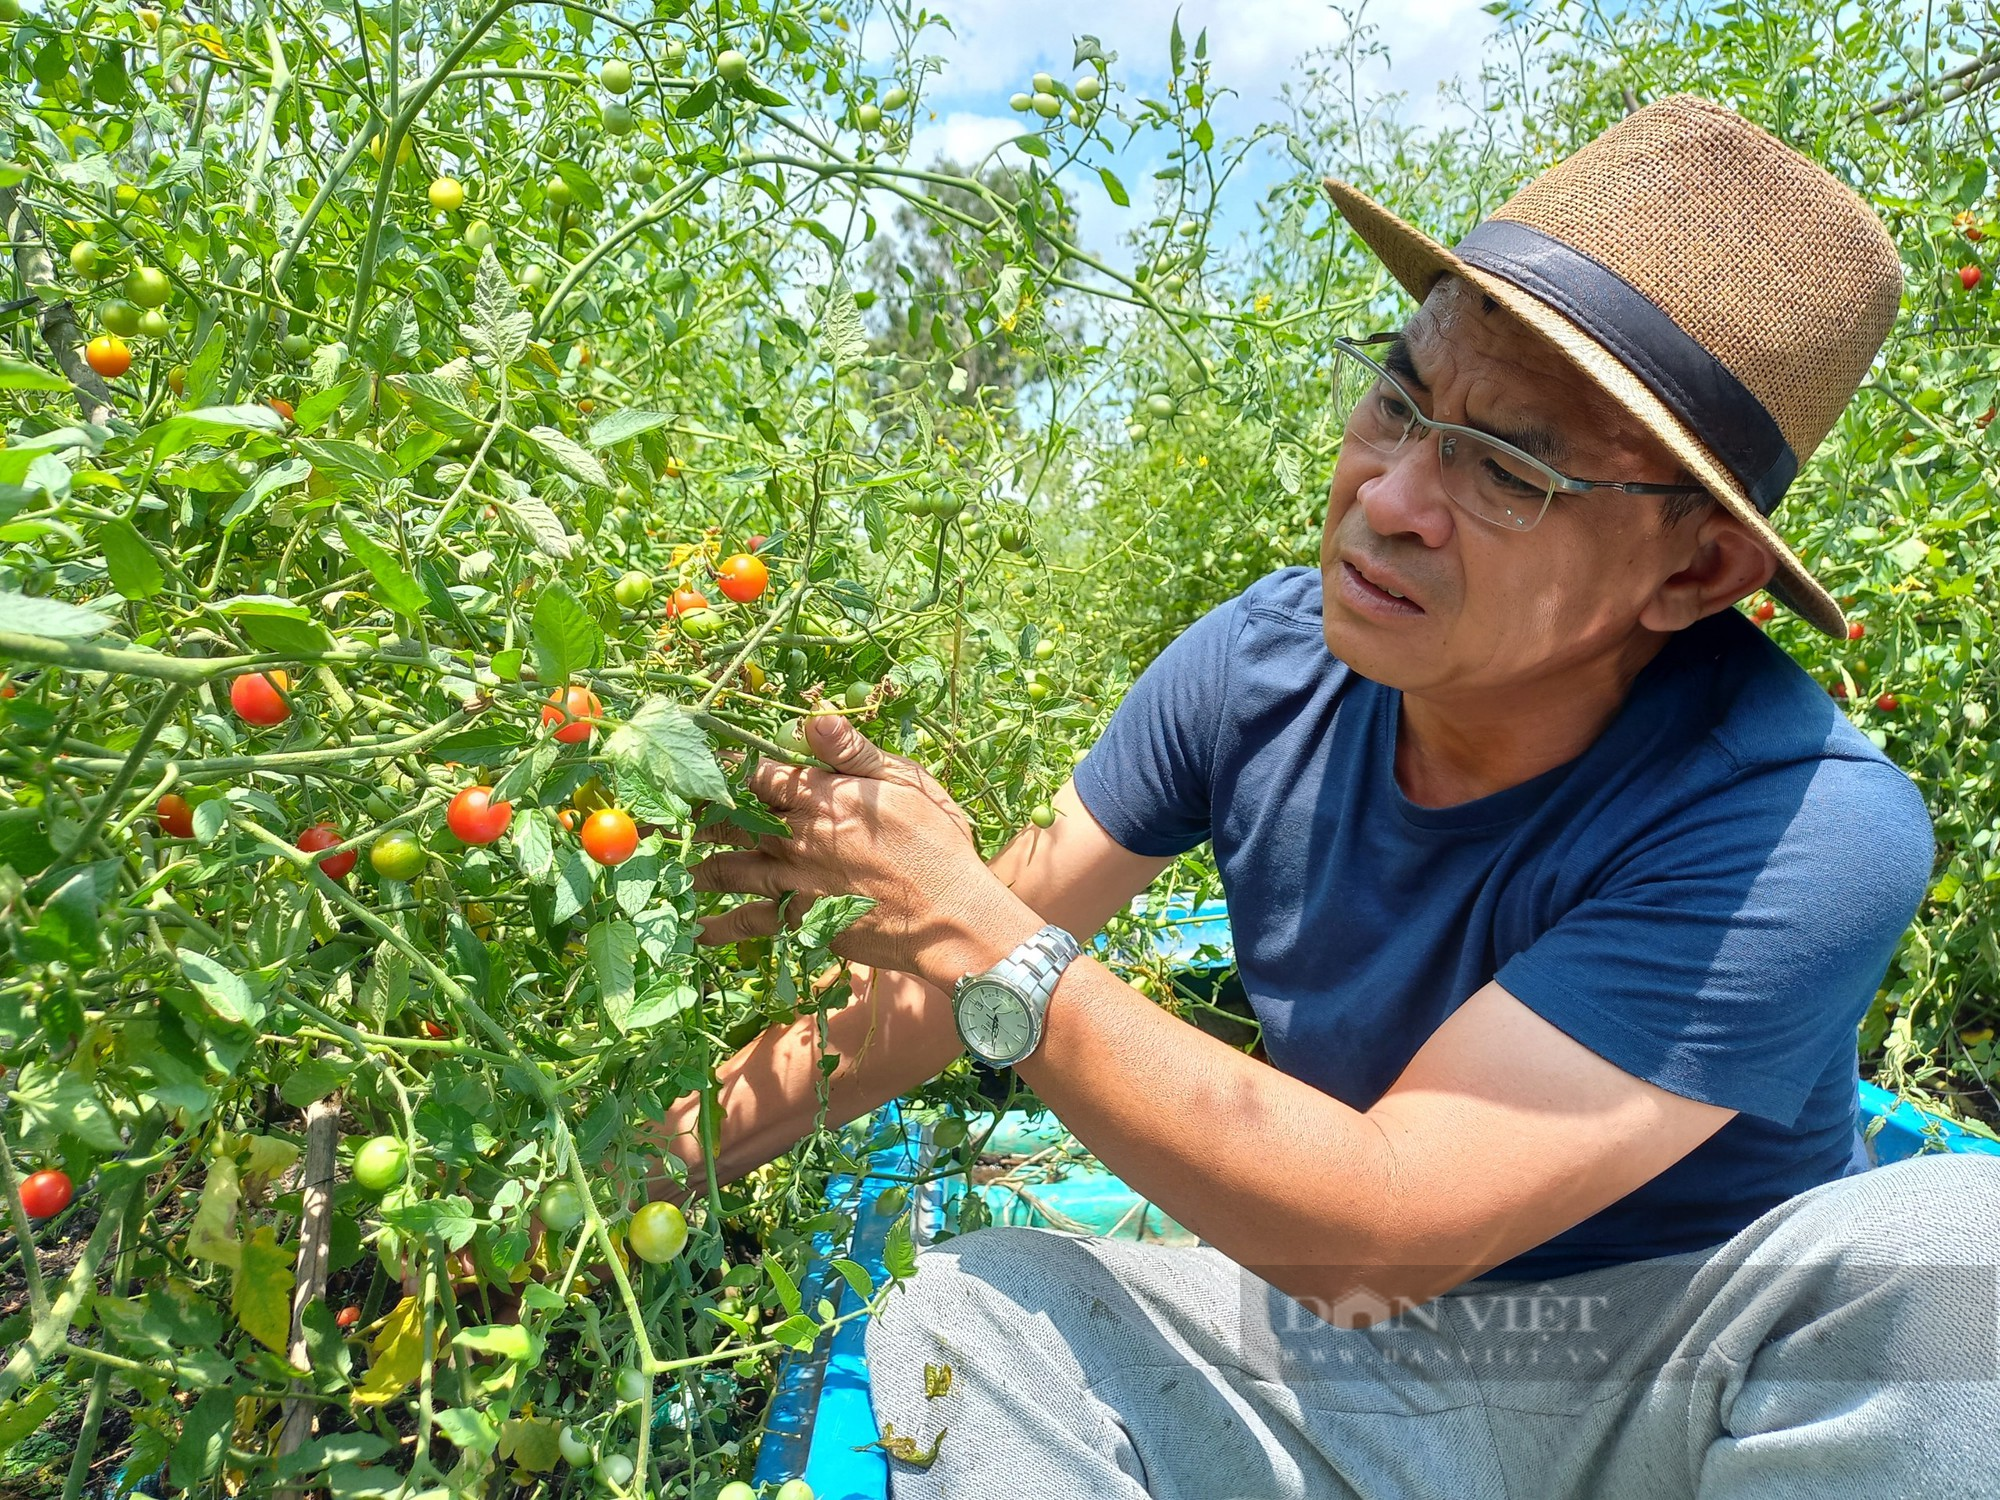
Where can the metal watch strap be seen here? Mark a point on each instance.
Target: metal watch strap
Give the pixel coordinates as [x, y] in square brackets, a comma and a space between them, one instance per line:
[1034, 967]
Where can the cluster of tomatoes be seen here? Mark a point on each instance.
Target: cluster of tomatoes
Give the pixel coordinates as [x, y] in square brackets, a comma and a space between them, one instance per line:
[608, 834]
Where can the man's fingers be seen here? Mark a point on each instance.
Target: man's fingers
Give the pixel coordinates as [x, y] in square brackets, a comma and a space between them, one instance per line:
[849, 751]
[726, 833]
[753, 919]
[743, 874]
[781, 787]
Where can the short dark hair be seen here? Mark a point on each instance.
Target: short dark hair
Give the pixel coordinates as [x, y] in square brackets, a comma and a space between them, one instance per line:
[1675, 509]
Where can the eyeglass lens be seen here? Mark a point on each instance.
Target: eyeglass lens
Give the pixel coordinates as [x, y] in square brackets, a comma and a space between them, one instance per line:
[1492, 484]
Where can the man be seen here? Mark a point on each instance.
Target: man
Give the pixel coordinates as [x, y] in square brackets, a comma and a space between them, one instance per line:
[1557, 889]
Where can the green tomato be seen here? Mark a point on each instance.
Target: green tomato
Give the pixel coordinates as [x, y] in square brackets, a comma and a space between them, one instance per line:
[478, 235]
[380, 1163]
[633, 1385]
[1087, 87]
[858, 694]
[616, 1469]
[153, 325]
[86, 260]
[10, 10]
[147, 286]
[736, 1489]
[1044, 649]
[575, 1447]
[947, 507]
[618, 119]
[895, 99]
[1044, 83]
[557, 191]
[677, 54]
[794, 1489]
[642, 170]
[732, 66]
[616, 76]
[398, 855]
[1048, 106]
[948, 1132]
[1020, 103]
[1043, 816]
[297, 346]
[827, 16]
[533, 279]
[1159, 406]
[447, 195]
[561, 1208]
[1037, 690]
[1013, 537]
[632, 589]
[659, 1232]
[703, 624]
[868, 117]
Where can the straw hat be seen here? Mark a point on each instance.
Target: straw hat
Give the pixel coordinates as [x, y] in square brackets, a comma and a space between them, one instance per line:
[1726, 291]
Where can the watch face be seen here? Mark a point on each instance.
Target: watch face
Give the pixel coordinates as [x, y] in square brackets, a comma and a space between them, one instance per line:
[994, 1020]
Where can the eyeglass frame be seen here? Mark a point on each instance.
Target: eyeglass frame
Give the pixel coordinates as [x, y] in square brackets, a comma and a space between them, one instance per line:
[1558, 480]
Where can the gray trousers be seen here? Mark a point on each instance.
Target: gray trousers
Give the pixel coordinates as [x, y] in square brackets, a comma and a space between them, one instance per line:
[1844, 1345]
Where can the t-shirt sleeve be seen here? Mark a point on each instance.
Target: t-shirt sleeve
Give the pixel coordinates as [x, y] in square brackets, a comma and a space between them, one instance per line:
[1148, 780]
[1730, 956]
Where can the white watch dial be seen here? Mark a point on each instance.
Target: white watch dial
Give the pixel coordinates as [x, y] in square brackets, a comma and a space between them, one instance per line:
[994, 1020]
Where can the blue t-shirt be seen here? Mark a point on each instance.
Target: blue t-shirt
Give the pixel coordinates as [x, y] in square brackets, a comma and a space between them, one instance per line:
[1707, 897]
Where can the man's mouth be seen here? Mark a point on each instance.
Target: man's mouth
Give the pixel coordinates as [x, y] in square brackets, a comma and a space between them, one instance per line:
[1381, 591]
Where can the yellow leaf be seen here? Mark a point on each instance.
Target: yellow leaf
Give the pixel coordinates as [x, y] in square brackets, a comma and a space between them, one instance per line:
[212, 1235]
[265, 1155]
[531, 1442]
[262, 1296]
[396, 1355]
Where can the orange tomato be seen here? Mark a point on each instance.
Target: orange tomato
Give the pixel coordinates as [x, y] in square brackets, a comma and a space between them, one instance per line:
[108, 355]
[576, 709]
[743, 577]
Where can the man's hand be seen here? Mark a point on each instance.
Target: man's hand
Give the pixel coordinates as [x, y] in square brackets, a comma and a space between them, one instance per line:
[874, 825]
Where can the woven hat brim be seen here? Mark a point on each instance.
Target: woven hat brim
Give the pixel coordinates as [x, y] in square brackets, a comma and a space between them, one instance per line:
[1417, 261]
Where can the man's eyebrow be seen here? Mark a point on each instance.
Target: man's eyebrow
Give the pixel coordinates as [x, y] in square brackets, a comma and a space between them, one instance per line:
[1544, 442]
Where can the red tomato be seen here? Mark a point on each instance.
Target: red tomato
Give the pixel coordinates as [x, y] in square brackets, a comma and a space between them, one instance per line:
[175, 817]
[567, 817]
[259, 697]
[1887, 703]
[1856, 631]
[325, 836]
[755, 541]
[1764, 612]
[684, 600]
[347, 1317]
[1970, 276]
[108, 355]
[1838, 689]
[743, 577]
[576, 709]
[281, 406]
[46, 1193]
[435, 1031]
[610, 836]
[475, 818]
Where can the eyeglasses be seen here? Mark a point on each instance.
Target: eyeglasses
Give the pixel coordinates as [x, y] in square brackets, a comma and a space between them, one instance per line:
[1486, 477]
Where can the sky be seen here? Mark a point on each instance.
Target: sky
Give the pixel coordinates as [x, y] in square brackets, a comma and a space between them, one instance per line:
[1255, 46]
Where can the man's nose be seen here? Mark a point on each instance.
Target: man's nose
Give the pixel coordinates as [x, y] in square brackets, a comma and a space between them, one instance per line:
[1404, 494]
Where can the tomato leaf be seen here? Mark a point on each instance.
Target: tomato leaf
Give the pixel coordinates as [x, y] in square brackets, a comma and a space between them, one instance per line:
[1113, 188]
[534, 848]
[448, 1220]
[262, 1295]
[664, 998]
[573, 883]
[398, 1352]
[899, 1250]
[280, 476]
[19, 375]
[830, 916]
[620, 425]
[782, 1283]
[393, 584]
[204, 1439]
[533, 518]
[798, 1332]
[212, 1235]
[569, 456]
[632, 883]
[613, 948]
[23, 614]
[856, 1276]
[841, 335]
[25, 1414]
[224, 991]
[531, 1443]
[499, 327]
[662, 743]
[565, 638]
[53, 1102]
[208, 423]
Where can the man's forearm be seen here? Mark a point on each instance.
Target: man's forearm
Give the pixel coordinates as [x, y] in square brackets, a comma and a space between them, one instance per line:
[890, 1037]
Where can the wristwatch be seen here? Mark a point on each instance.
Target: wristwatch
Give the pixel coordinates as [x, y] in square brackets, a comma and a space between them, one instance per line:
[1000, 1012]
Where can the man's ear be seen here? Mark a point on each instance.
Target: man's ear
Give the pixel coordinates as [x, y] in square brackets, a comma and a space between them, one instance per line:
[1721, 562]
